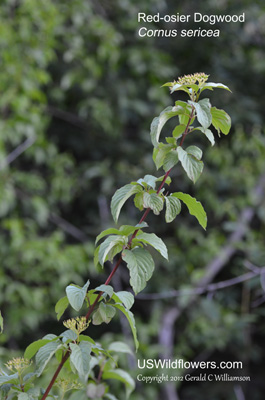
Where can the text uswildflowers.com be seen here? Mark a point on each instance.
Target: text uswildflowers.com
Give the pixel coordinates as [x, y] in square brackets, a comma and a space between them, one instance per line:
[179, 363]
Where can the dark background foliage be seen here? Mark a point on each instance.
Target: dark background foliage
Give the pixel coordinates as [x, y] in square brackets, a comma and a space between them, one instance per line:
[79, 90]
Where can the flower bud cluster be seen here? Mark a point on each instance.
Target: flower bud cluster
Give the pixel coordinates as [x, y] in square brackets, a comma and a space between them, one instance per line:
[17, 364]
[67, 384]
[198, 77]
[77, 325]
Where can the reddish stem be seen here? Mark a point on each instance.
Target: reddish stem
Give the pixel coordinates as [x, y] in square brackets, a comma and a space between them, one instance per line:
[92, 307]
[187, 127]
[60, 366]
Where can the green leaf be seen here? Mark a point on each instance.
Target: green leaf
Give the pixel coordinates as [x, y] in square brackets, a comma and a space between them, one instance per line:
[194, 151]
[80, 394]
[203, 111]
[173, 208]
[170, 160]
[96, 262]
[29, 377]
[142, 225]
[80, 358]
[50, 337]
[120, 197]
[121, 376]
[104, 313]
[110, 396]
[211, 85]
[181, 103]
[124, 230]
[120, 347]
[153, 240]
[127, 230]
[185, 118]
[91, 297]
[32, 349]
[185, 88]
[106, 289]
[24, 396]
[68, 335]
[158, 123]
[139, 201]
[168, 84]
[107, 232]
[61, 306]
[208, 133]
[76, 295]
[221, 120]
[160, 153]
[95, 391]
[141, 266]
[194, 206]
[153, 201]
[86, 338]
[9, 379]
[110, 243]
[150, 180]
[167, 181]
[44, 355]
[179, 129]
[191, 165]
[171, 140]
[125, 298]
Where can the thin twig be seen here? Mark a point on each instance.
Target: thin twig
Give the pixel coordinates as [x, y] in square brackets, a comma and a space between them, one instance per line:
[68, 117]
[18, 150]
[251, 266]
[209, 288]
[239, 392]
[226, 252]
[62, 223]
[68, 227]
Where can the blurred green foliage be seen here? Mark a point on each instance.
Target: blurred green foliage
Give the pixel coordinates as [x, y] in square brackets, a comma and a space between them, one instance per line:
[77, 80]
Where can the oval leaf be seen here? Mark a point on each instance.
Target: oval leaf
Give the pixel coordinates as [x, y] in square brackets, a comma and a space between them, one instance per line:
[122, 376]
[125, 298]
[44, 355]
[104, 313]
[153, 201]
[160, 153]
[170, 160]
[194, 206]
[141, 266]
[130, 317]
[221, 120]
[203, 111]
[76, 295]
[32, 349]
[120, 347]
[158, 123]
[80, 358]
[120, 197]
[61, 306]
[179, 129]
[211, 85]
[191, 165]
[155, 241]
[194, 151]
[109, 245]
[173, 208]
[106, 289]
